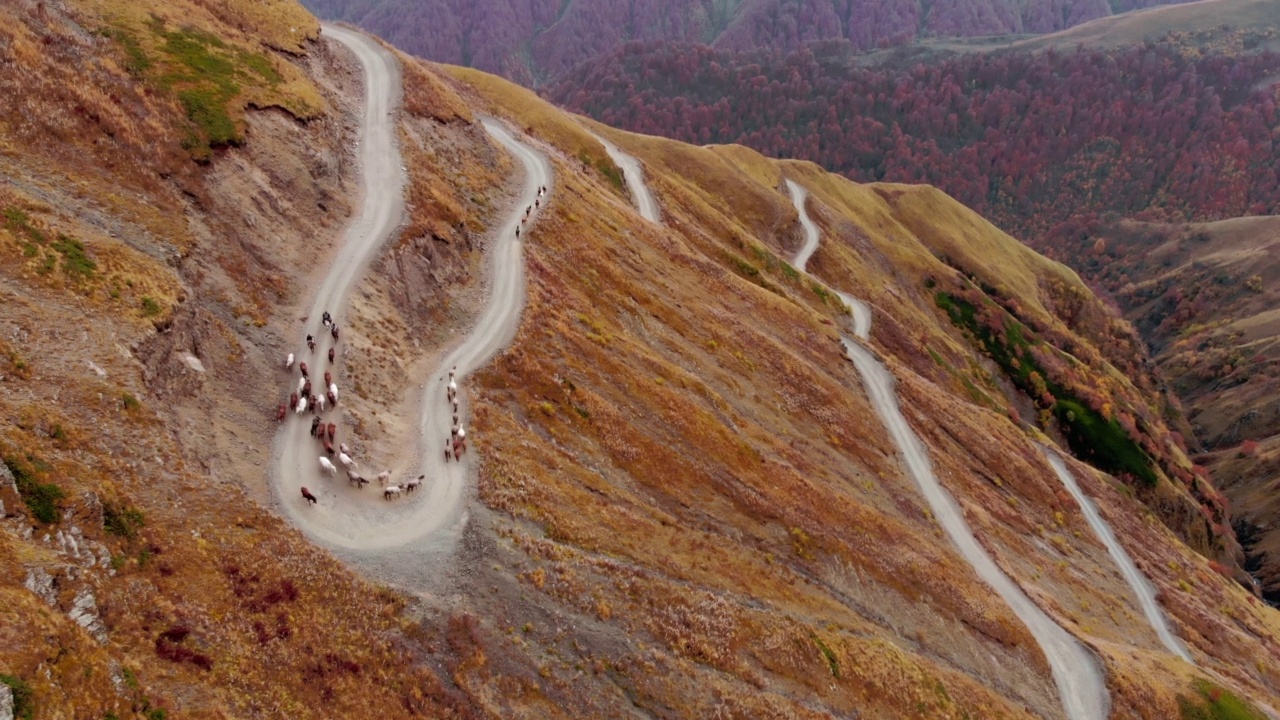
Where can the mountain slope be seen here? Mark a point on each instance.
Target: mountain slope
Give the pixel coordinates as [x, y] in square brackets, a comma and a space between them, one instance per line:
[1029, 140]
[1203, 296]
[537, 40]
[684, 503]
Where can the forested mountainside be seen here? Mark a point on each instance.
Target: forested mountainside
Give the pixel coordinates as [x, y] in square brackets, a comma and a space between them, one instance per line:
[533, 41]
[681, 497]
[1206, 296]
[1028, 140]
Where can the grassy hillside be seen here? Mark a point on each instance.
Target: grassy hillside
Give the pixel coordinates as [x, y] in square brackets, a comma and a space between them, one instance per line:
[674, 421]
[685, 505]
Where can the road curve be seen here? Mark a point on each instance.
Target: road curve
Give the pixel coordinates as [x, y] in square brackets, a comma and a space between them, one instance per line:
[1075, 671]
[346, 518]
[1141, 586]
[860, 310]
[634, 175]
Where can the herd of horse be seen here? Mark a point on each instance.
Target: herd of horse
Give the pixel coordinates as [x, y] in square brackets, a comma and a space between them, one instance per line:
[303, 398]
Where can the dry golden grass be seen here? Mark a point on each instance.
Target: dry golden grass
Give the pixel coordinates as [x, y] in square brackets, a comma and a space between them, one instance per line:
[427, 95]
[536, 118]
[687, 504]
[666, 417]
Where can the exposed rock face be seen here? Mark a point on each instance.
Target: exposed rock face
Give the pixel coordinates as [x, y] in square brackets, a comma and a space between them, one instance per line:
[84, 611]
[40, 582]
[6, 702]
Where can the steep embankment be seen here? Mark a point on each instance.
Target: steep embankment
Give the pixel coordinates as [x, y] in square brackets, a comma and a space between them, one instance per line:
[169, 173]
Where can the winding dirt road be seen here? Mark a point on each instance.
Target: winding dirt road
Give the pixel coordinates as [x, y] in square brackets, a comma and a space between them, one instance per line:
[860, 310]
[1075, 670]
[633, 173]
[361, 520]
[1141, 586]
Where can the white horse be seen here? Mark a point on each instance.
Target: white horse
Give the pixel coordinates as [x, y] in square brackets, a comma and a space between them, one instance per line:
[343, 447]
[320, 402]
[413, 484]
[391, 491]
[302, 382]
[288, 362]
[302, 405]
[333, 390]
[327, 466]
[346, 460]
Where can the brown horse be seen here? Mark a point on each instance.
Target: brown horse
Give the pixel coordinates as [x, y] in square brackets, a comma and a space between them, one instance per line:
[293, 400]
[332, 430]
[328, 378]
[308, 496]
[330, 354]
[303, 367]
[280, 412]
[328, 445]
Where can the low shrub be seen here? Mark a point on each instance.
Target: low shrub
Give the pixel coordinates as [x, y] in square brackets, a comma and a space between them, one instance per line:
[43, 499]
[122, 521]
[24, 705]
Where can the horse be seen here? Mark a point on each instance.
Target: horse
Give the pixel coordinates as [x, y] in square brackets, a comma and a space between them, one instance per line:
[302, 406]
[330, 354]
[332, 430]
[346, 460]
[315, 424]
[306, 386]
[358, 480]
[383, 477]
[312, 400]
[280, 412]
[293, 400]
[343, 447]
[303, 367]
[306, 494]
[288, 361]
[446, 451]
[333, 399]
[302, 382]
[328, 378]
[328, 445]
[326, 319]
[333, 330]
[390, 491]
[311, 343]
[327, 466]
[320, 403]
[413, 484]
